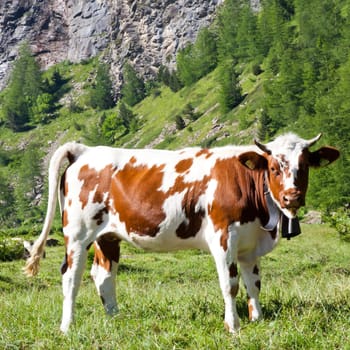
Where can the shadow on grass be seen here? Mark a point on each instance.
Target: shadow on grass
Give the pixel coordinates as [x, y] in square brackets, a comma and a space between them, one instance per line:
[122, 268]
[8, 284]
[276, 307]
[5, 279]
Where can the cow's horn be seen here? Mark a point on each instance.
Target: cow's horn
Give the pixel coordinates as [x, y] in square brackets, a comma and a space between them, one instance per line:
[262, 146]
[314, 140]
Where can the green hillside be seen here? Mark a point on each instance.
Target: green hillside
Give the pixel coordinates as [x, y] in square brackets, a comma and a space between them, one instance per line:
[251, 75]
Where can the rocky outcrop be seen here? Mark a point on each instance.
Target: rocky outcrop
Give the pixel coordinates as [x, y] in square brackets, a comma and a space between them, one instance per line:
[146, 32]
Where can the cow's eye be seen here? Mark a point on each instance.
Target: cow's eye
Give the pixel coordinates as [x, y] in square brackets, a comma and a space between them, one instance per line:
[274, 171]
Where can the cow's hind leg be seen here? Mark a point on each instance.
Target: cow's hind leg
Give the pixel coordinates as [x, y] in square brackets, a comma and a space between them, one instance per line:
[225, 255]
[251, 277]
[72, 270]
[104, 270]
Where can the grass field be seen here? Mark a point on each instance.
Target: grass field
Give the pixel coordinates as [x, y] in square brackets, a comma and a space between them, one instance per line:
[173, 301]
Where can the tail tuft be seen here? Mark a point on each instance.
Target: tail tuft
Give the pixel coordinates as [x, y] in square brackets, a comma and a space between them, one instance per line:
[32, 266]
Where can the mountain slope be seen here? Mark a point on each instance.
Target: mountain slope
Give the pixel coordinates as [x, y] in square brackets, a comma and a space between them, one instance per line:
[148, 33]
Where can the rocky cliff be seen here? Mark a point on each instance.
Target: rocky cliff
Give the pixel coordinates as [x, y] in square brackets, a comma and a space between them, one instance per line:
[146, 32]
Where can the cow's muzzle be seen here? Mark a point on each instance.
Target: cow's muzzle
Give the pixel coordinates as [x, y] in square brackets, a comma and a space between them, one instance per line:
[292, 200]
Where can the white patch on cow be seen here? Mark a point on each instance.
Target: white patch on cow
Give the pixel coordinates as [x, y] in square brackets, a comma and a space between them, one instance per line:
[170, 175]
[253, 241]
[210, 192]
[174, 214]
[232, 151]
[200, 168]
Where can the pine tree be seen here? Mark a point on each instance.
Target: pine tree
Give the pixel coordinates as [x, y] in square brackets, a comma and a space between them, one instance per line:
[205, 52]
[133, 89]
[186, 65]
[7, 208]
[102, 93]
[228, 19]
[198, 59]
[126, 116]
[24, 193]
[230, 90]
[264, 126]
[247, 35]
[23, 90]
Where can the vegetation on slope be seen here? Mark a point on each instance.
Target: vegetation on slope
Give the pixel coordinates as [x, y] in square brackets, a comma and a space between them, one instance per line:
[249, 75]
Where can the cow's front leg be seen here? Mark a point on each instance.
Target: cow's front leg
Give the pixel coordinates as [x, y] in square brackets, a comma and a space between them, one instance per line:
[104, 271]
[226, 264]
[251, 277]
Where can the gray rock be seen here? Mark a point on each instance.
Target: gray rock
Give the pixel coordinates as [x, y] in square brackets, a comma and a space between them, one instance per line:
[145, 32]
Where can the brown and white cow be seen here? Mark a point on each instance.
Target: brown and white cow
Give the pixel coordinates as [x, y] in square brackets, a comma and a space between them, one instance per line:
[222, 200]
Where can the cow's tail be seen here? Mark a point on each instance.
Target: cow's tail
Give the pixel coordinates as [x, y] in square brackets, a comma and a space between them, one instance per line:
[69, 151]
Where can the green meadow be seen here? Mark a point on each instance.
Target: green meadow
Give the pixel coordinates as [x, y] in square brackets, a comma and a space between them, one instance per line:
[173, 301]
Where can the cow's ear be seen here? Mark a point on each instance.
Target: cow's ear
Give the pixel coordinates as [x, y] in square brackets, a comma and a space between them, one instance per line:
[253, 160]
[323, 156]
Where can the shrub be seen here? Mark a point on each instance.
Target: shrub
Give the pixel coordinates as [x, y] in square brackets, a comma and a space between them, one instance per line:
[340, 220]
[189, 112]
[180, 123]
[11, 249]
[256, 69]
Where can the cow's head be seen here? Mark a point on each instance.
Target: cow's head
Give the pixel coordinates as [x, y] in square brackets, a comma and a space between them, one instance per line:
[286, 162]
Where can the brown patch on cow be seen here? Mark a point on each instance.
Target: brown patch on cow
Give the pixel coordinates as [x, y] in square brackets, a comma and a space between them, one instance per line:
[234, 290]
[233, 270]
[65, 218]
[224, 239]
[70, 259]
[194, 216]
[190, 229]
[132, 160]
[275, 177]
[256, 270]
[205, 152]
[138, 200]
[107, 250]
[64, 190]
[64, 265]
[100, 259]
[183, 165]
[98, 181]
[238, 197]
[250, 310]
[258, 284]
